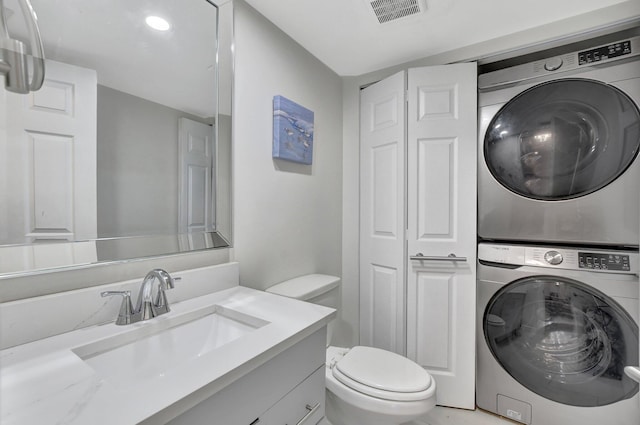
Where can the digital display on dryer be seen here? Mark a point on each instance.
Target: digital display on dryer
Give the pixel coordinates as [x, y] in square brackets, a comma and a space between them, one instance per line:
[590, 260]
[605, 52]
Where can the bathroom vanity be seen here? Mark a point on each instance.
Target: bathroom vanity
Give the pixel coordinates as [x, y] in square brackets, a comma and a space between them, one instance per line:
[227, 356]
[288, 389]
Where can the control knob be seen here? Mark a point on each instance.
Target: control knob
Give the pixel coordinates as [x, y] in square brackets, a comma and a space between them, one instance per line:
[553, 257]
[553, 64]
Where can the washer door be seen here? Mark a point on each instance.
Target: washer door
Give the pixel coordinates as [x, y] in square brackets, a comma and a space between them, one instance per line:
[563, 340]
[563, 139]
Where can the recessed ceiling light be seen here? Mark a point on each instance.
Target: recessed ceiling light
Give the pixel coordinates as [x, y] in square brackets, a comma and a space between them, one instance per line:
[158, 23]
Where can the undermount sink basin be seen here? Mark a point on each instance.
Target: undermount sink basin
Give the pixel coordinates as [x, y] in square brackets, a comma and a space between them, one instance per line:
[154, 348]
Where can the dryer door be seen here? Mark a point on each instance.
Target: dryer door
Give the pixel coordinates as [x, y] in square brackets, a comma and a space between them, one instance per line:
[563, 340]
[563, 139]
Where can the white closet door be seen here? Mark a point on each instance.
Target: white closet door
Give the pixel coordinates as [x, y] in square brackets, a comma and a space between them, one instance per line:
[51, 138]
[382, 214]
[441, 165]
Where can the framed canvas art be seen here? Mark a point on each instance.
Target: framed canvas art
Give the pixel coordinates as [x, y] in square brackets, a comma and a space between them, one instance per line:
[292, 131]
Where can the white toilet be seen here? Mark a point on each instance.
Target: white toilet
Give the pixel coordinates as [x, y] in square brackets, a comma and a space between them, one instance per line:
[365, 385]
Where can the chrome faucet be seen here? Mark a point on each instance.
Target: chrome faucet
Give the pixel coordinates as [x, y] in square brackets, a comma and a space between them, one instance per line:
[146, 307]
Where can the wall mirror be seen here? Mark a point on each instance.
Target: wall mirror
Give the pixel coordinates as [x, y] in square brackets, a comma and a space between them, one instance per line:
[125, 150]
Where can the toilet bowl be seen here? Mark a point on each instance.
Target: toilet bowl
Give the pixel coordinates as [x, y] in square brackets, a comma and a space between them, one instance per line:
[370, 386]
[364, 385]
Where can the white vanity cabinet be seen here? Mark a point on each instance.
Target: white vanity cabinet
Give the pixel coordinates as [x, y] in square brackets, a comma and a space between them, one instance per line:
[304, 405]
[288, 389]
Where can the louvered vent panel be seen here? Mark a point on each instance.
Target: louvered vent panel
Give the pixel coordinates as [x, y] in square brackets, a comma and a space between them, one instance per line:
[389, 10]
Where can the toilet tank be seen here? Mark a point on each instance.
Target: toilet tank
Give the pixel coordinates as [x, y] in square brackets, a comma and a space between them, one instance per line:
[319, 289]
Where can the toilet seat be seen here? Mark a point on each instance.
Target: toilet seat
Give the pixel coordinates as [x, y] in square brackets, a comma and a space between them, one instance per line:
[382, 374]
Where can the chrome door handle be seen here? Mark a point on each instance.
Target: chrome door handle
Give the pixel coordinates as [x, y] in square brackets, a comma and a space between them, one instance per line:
[311, 411]
[451, 257]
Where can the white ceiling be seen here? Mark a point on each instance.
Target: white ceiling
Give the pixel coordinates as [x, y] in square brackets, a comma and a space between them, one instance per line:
[346, 36]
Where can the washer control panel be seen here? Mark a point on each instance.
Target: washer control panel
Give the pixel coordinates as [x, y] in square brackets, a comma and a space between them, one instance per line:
[566, 258]
[599, 261]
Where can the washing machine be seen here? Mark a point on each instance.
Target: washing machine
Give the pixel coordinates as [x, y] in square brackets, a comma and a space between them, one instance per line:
[558, 148]
[555, 328]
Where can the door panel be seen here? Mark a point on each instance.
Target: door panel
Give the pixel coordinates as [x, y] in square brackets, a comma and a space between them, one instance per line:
[428, 344]
[441, 169]
[382, 209]
[384, 162]
[383, 304]
[435, 163]
[52, 174]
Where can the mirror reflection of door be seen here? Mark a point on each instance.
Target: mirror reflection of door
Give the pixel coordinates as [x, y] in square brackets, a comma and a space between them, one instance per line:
[48, 146]
[51, 140]
[195, 172]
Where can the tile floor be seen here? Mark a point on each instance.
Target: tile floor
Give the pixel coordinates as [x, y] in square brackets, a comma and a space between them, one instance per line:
[448, 416]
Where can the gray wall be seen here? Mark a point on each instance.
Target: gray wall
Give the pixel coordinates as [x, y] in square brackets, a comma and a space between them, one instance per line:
[137, 165]
[287, 217]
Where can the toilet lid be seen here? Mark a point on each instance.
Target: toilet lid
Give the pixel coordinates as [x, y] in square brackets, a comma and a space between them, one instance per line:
[382, 374]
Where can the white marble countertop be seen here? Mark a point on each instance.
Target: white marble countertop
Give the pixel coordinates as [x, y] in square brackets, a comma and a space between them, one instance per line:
[44, 382]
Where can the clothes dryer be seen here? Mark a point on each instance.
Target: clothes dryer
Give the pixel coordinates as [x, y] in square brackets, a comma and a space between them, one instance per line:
[555, 329]
[559, 141]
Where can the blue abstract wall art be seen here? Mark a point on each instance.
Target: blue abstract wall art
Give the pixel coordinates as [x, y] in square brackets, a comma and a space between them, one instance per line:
[292, 131]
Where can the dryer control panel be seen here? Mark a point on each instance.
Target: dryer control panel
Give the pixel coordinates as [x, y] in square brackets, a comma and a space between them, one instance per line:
[555, 65]
[609, 51]
[606, 261]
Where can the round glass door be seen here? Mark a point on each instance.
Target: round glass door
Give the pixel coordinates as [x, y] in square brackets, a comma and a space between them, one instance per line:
[563, 139]
[563, 340]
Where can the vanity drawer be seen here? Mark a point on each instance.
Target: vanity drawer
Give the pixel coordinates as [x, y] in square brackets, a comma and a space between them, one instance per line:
[304, 405]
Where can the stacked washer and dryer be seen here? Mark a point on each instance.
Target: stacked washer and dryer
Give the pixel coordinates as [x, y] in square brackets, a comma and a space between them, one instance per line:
[558, 227]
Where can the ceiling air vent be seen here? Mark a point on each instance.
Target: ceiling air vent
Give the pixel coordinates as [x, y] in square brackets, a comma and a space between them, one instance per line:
[390, 10]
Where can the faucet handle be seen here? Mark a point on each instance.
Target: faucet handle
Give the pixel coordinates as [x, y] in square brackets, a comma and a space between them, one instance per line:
[126, 308]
